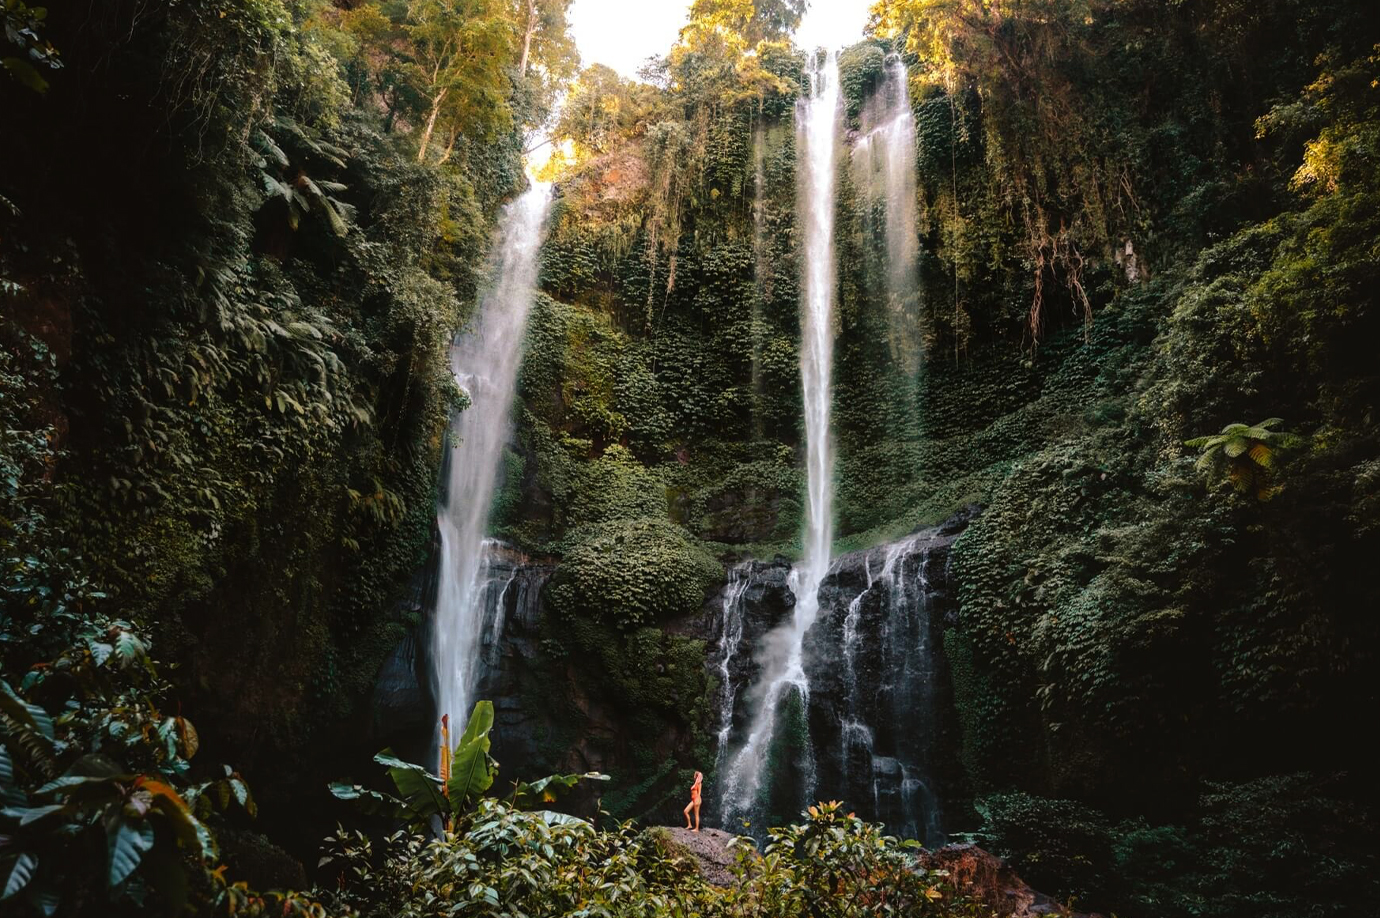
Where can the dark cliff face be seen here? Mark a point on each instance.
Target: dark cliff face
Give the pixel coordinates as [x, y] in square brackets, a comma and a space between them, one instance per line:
[404, 703]
[880, 692]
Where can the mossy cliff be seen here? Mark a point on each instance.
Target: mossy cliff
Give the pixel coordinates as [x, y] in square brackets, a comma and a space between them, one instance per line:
[1104, 275]
[236, 237]
[240, 286]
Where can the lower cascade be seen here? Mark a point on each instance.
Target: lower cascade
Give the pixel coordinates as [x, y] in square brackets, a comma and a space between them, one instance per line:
[877, 716]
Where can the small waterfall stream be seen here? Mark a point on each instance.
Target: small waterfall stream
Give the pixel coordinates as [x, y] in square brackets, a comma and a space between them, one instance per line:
[730, 640]
[485, 361]
[782, 694]
[887, 719]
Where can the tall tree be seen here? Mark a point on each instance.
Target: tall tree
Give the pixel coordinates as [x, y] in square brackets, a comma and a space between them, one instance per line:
[461, 52]
[548, 59]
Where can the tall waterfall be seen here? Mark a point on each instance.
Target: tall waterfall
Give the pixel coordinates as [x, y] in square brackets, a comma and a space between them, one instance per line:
[884, 163]
[780, 699]
[485, 361]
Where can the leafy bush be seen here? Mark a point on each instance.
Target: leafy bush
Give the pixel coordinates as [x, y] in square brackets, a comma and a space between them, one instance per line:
[1276, 846]
[501, 861]
[1052, 844]
[631, 573]
[102, 804]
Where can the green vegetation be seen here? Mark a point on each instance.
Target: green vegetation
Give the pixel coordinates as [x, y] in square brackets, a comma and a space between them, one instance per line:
[1245, 455]
[468, 773]
[236, 238]
[501, 861]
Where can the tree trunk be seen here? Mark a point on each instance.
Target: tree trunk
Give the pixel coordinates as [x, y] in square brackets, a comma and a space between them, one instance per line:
[431, 123]
[527, 38]
[450, 145]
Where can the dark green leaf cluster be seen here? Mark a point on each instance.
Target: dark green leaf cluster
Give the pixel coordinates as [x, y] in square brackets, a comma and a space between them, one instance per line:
[632, 573]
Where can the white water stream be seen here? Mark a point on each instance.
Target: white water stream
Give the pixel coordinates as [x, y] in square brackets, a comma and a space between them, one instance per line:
[485, 361]
[818, 117]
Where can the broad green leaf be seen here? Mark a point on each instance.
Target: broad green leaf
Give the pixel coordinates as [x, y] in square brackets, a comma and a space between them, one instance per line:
[242, 795]
[10, 793]
[481, 721]
[31, 814]
[470, 775]
[70, 781]
[265, 145]
[550, 788]
[25, 73]
[419, 788]
[552, 818]
[100, 651]
[129, 841]
[20, 874]
[373, 803]
[129, 649]
[30, 715]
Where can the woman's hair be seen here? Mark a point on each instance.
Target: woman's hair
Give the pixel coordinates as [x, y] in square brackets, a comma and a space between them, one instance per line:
[698, 775]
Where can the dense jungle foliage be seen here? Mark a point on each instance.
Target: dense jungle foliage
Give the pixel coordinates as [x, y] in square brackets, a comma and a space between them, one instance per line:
[236, 238]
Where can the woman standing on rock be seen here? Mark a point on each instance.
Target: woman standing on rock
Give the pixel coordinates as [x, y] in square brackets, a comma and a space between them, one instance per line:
[694, 803]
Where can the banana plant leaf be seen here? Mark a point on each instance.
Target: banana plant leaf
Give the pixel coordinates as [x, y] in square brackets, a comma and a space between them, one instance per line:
[470, 772]
[419, 788]
[550, 788]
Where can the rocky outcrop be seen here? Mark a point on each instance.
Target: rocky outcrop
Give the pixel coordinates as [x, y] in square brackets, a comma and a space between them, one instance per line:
[988, 879]
[755, 599]
[554, 711]
[878, 718]
[877, 731]
[710, 849]
[403, 705]
[512, 655]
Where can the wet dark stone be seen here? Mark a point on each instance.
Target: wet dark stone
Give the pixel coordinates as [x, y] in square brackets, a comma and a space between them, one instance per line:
[880, 696]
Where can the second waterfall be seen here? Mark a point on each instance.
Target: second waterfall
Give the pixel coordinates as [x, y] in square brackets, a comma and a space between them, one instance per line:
[773, 771]
[485, 360]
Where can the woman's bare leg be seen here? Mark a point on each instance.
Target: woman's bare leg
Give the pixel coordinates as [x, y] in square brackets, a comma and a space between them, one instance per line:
[688, 806]
[696, 805]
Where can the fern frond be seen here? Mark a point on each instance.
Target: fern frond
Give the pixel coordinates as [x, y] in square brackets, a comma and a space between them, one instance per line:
[1262, 455]
[1236, 446]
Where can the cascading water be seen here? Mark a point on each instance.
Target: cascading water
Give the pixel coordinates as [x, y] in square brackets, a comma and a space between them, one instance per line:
[888, 692]
[730, 640]
[782, 694]
[485, 361]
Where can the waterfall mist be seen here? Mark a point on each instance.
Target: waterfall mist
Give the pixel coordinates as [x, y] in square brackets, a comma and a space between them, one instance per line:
[779, 701]
[884, 164]
[485, 361]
